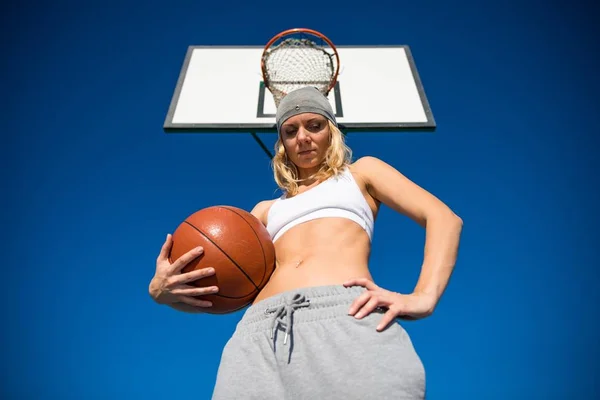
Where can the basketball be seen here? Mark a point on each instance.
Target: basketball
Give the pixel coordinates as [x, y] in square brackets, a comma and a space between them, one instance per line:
[237, 245]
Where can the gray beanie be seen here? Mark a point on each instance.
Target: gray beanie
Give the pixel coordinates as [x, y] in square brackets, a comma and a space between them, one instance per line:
[305, 100]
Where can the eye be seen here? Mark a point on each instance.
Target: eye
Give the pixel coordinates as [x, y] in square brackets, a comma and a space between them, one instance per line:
[315, 126]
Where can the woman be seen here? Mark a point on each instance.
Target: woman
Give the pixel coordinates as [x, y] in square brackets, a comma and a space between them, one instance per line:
[321, 328]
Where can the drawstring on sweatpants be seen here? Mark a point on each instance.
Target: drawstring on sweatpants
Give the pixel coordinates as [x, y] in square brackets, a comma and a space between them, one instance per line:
[285, 311]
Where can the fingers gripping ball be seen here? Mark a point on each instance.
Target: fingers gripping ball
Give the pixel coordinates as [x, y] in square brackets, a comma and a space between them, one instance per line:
[237, 245]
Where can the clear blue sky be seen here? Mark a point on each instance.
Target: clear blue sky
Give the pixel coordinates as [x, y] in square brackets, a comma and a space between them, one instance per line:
[92, 184]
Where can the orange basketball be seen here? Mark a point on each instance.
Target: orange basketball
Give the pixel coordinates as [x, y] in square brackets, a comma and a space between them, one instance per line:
[237, 245]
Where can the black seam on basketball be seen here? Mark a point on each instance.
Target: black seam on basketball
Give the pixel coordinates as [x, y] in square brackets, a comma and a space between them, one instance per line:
[226, 255]
[259, 242]
[228, 297]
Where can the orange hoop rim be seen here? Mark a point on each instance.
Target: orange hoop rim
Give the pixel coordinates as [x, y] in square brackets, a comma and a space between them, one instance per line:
[301, 30]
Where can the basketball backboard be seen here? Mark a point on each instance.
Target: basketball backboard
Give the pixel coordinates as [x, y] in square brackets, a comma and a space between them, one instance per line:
[220, 88]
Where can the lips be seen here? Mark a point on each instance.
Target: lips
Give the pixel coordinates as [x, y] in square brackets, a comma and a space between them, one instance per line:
[304, 152]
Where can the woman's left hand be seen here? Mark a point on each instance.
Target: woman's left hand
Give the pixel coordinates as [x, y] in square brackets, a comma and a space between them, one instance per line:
[405, 306]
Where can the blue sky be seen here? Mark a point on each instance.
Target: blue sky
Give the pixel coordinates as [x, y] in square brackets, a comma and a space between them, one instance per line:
[92, 184]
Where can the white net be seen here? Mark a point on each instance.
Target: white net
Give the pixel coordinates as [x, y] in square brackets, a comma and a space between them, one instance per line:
[295, 63]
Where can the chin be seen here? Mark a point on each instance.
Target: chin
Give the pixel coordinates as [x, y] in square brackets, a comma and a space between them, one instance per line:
[309, 162]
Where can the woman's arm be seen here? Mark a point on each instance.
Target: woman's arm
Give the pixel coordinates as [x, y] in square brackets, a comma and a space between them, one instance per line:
[443, 227]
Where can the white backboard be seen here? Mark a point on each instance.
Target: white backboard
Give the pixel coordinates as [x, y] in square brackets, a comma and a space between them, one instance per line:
[220, 88]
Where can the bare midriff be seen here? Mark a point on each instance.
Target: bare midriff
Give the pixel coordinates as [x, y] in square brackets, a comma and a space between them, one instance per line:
[326, 251]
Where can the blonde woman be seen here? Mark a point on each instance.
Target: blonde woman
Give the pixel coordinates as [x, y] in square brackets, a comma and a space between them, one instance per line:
[321, 328]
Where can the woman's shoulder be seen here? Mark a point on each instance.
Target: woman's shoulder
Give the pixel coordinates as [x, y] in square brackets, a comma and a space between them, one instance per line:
[365, 163]
[365, 166]
[261, 210]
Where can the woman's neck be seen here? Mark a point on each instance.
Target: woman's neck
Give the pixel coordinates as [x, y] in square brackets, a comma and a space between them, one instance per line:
[305, 175]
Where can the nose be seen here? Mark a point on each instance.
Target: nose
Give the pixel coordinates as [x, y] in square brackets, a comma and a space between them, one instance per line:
[302, 135]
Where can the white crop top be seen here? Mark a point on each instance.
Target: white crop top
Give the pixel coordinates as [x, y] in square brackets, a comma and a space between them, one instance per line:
[335, 197]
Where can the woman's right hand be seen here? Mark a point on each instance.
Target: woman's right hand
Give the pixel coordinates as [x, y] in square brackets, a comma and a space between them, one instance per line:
[170, 286]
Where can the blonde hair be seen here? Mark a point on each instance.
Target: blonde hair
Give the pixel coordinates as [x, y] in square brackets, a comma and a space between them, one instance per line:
[337, 157]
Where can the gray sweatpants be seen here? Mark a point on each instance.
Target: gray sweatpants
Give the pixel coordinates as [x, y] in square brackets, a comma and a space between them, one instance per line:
[303, 345]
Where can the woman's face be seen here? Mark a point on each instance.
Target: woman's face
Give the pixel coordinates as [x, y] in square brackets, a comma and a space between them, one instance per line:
[306, 139]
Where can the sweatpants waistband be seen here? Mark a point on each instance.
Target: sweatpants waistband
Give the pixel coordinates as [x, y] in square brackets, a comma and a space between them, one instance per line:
[309, 304]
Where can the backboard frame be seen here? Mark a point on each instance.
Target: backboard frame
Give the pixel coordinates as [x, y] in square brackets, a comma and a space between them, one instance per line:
[170, 127]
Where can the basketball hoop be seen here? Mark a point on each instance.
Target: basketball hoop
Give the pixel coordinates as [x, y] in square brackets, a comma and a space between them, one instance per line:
[297, 58]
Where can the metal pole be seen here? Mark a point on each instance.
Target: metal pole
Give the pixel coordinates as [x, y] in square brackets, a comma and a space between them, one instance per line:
[262, 145]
